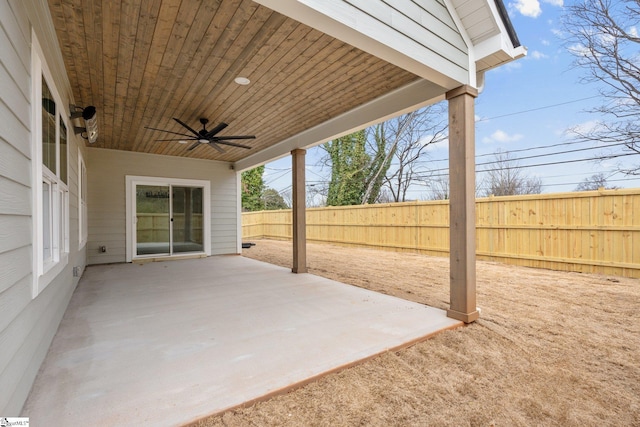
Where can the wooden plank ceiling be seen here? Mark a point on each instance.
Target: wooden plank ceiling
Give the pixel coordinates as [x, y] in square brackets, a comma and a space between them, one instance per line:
[143, 62]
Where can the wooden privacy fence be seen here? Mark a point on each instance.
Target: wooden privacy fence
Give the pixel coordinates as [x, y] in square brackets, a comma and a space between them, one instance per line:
[154, 227]
[594, 231]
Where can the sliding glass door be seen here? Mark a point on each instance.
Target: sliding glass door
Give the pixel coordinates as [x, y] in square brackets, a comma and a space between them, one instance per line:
[187, 219]
[153, 220]
[169, 219]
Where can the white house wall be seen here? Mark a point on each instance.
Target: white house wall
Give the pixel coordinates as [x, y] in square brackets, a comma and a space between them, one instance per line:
[107, 170]
[27, 325]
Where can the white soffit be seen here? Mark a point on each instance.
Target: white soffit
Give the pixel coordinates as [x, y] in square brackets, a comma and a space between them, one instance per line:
[487, 32]
[477, 18]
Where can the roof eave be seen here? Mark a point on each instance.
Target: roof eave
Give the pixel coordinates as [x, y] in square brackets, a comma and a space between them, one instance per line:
[504, 16]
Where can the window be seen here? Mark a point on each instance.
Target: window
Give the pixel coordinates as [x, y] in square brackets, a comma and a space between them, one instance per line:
[50, 170]
[83, 226]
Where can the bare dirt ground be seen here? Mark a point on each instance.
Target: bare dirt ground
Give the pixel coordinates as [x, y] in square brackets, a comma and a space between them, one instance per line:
[550, 349]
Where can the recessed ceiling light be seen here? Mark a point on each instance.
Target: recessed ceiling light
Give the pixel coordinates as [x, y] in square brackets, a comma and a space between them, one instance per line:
[242, 81]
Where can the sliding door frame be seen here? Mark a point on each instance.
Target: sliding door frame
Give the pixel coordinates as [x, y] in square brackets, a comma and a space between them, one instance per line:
[133, 181]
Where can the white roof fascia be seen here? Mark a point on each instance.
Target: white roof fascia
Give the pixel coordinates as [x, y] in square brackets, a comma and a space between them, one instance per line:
[498, 43]
[501, 42]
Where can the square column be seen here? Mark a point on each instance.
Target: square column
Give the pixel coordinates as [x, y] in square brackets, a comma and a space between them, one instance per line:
[299, 212]
[462, 204]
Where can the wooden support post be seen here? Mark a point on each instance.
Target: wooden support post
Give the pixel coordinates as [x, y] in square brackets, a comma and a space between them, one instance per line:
[299, 212]
[462, 204]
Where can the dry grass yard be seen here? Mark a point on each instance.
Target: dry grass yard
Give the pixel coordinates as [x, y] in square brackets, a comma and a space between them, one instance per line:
[550, 349]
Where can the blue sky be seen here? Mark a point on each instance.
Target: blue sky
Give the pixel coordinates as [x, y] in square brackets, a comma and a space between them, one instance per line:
[525, 105]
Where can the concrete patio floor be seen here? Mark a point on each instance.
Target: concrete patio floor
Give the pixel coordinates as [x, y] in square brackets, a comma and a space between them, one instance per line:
[168, 343]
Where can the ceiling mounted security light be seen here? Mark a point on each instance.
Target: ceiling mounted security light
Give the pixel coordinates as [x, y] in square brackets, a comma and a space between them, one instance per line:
[242, 81]
[90, 129]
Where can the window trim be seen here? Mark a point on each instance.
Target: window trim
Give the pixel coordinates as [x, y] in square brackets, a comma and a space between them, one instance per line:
[45, 271]
[83, 211]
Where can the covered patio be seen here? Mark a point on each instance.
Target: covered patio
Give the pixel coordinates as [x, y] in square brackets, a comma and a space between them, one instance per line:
[167, 343]
[161, 340]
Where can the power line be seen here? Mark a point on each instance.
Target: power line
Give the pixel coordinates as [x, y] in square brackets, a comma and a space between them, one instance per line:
[537, 108]
[592, 159]
[540, 147]
[271, 180]
[515, 159]
[582, 182]
[554, 154]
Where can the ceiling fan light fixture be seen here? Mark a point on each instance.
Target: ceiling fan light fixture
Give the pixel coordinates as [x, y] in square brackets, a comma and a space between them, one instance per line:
[243, 81]
[204, 136]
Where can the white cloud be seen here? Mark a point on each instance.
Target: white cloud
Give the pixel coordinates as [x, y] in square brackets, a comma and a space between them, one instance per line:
[558, 3]
[546, 42]
[607, 39]
[556, 32]
[585, 128]
[633, 31]
[529, 8]
[579, 50]
[536, 54]
[501, 136]
[510, 66]
[442, 143]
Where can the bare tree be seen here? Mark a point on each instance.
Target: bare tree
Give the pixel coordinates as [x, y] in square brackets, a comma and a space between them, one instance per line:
[594, 182]
[384, 196]
[316, 195]
[440, 188]
[504, 177]
[603, 37]
[389, 162]
[287, 196]
[407, 138]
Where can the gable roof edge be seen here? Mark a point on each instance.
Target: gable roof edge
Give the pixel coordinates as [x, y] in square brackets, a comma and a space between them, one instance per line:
[504, 15]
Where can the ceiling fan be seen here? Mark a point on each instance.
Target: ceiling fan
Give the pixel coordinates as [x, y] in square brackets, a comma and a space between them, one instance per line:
[205, 136]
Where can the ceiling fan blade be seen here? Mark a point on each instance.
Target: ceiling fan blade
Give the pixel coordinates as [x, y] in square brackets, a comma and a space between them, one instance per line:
[216, 130]
[168, 131]
[188, 127]
[188, 138]
[233, 144]
[218, 138]
[216, 146]
[193, 146]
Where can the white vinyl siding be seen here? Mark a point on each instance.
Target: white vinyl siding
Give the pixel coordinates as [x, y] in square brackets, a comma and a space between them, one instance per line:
[107, 199]
[428, 24]
[27, 325]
